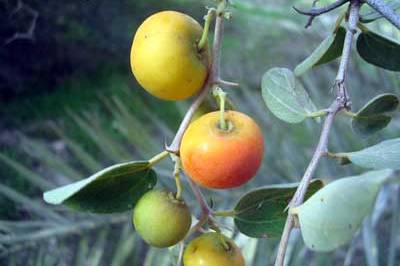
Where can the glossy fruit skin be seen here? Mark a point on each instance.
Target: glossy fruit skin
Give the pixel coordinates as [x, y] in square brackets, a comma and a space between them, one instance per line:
[160, 219]
[165, 59]
[208, 250]
[220, 159]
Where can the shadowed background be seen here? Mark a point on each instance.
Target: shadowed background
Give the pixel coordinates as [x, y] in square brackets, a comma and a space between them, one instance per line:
[69, 106]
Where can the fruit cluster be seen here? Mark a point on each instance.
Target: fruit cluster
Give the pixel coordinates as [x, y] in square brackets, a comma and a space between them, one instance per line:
[219, 150]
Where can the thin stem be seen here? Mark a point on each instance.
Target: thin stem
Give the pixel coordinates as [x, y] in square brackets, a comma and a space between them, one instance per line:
[227, 83]
[348, 41]
[203, 219]
[157, 158]
[218, 92]
[335, 155]
[386, 11]
[177, 170]
[176, 143]
[204, 37]
[321, 150]
[319, 113]
[180, 255]
[223, 241]
[314, 12]
[229, 213]
[199, 197]
[349, 113]
[178, 187]
[322, 10]
[218, 33]
[213, 78]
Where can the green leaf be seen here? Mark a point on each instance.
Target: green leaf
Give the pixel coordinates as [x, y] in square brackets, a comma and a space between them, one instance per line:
[379, 50]
[286, 99]
[330, 217]
[380, 104]
[329, 49]
[114, 189]
[380, 156]
[261, 212]
[371, 118]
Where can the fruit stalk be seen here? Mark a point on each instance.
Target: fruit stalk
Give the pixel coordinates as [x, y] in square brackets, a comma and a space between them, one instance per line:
[340, 103]
[204, 36]
[177, 169]
[218, 92]
[158, 158]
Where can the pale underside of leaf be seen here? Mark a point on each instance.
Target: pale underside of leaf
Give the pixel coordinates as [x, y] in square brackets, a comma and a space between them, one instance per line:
[380, 156]
[285, 98]
[330, 217]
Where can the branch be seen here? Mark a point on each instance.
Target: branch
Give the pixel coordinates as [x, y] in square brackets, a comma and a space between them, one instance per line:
[314, 12]
[200, 198]
[212, 79]
[386, 11]
[337, 105]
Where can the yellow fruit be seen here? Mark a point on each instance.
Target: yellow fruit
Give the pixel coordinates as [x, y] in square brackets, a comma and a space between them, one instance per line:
[165, 58]
[209, 250]
[160, 219]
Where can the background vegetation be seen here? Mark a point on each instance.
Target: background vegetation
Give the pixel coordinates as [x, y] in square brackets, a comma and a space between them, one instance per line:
[70, 106]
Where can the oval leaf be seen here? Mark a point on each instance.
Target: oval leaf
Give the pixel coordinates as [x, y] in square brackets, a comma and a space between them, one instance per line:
[380, 104]
[379, 51]
[114, 189]
[371, 118]
[329, 49]
[366, 126]
[330, 217]
[286, 99]
[261, 212]
[380, 156]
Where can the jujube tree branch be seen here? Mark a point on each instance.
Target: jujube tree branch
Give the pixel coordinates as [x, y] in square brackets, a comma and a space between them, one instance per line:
[213, 78]
[337, 105]
[386, 11]
[314, 12]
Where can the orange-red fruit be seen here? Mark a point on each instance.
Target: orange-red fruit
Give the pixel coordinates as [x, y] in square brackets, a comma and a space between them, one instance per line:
[216, 158]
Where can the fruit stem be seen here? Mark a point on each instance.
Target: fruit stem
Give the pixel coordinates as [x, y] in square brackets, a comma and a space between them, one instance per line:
[349, 113]
[157, 158]
[203, 219]
[317, 114]
[177, 169]
[204, 37]
[228, 213]
[223, 241]
[218, 92]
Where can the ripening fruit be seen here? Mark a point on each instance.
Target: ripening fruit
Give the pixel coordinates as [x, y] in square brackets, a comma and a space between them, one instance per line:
[209, 250]
[160, 219]
[165, 58]
[216, 158]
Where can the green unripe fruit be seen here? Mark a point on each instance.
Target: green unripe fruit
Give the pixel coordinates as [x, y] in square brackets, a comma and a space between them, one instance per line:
[161, 219]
